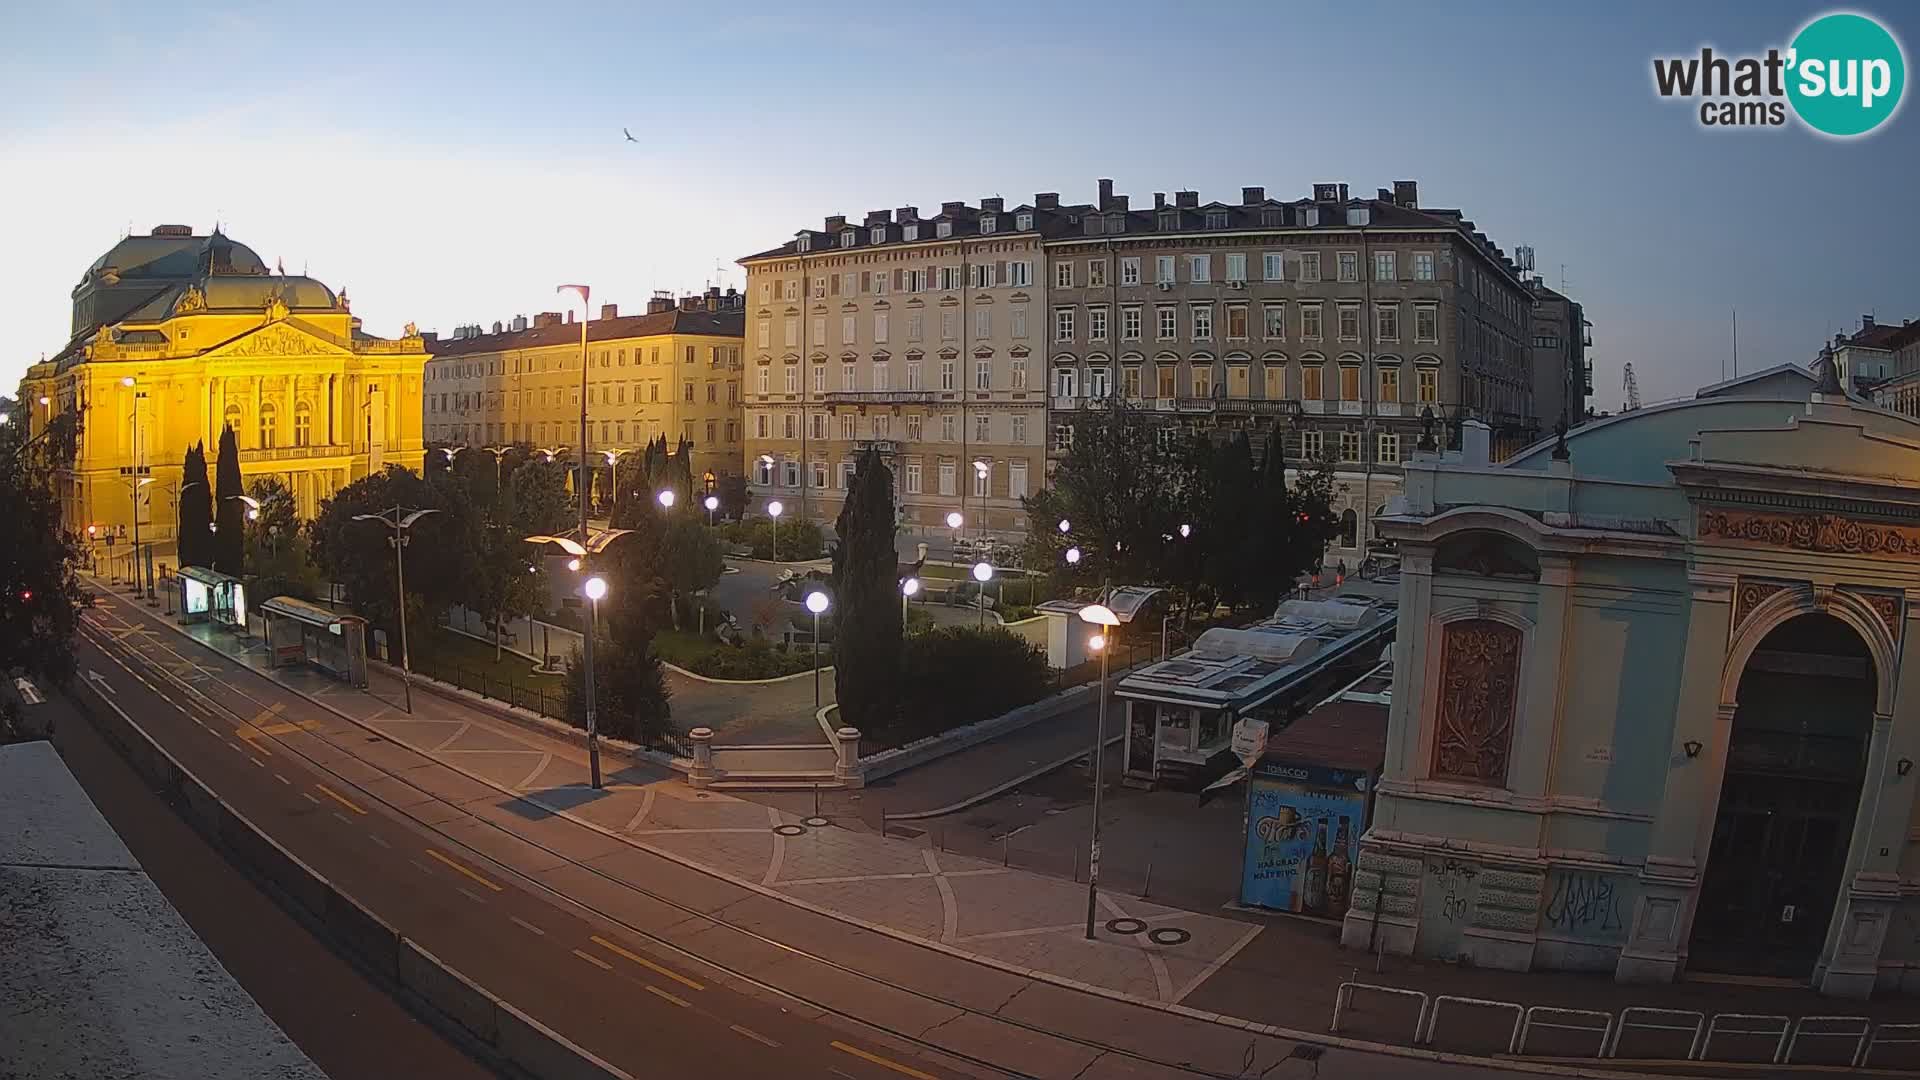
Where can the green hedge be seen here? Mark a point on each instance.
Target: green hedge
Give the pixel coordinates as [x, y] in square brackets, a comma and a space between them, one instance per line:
[799, 540]
[955, 675]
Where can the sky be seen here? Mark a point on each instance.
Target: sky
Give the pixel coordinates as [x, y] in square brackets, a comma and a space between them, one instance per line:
[451, 163]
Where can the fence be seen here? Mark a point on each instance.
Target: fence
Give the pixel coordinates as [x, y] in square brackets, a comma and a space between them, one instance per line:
[544, 697]
[1125, 655]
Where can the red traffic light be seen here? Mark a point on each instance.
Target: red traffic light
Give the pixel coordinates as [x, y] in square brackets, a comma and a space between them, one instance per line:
[26, 594]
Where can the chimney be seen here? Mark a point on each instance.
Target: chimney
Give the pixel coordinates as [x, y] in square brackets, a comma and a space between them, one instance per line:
[879, 217]
[519, 323]
[836, 222]
[1120, 202]
[1046, 200]
[1866, 322]
[546, 319]
[1106, 194]
[1407, 193]
[1326, 193]
[609, 311]
[712, 298]
[1159, 200]
[907, 214]
[1186, 200]
[497, 328]
[429, 336]
[953, 208]
[1383, 195]
[1343, 193]
[1250, 196]
[661, 301]
[569, 316]
[689, 303]
[993, 206]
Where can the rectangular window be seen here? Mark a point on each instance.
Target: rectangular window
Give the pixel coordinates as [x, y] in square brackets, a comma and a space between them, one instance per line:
[913, 426]
[1423, 266]
[1388, 450]
[817, 426]
[1349, 382]
[913, 375]
[1066, 382]
[914, 321]
[1390, 384]
[1309, 266]
[850, 427]
[949, 428]
[793, 382]
[1018, 433]
[1200, 269]
[1236, 322]
[913, 478]
[1163, 380]
[819, 381]
[879, 327]
[1311, 376]
[846, 330]
[819, 471]
[1275, 378]
[1063, 324]
[1096, 273]
[983, 374]
[1130, 271]
[765, 380]
[1169, 322]
[1098, 385]
[1383, 266]
[1274, 326]
[1130, 382]
[850, 281]
[763, 334]
[1130, 324]
[982, 428]
[1019, 274]
[1349, 322]
[1349, 262]
[1386, 322]
[1163, 269]
[1426, 323]
[1429, 385]
[1349, 446]
[1203, 380]
[947, 477]
[1018, 366]
[983, 323]
[1202, 322]
[1096, 324]
[1017, 480]
[789, 426]
[1062, 437]
[1237, 268]
[1063, 275]
[790, 473]
[1272, 266]
[946, 375]
[792, 336]
[880, 375]
[982, 482]
[760, 426]
[847, 378]
[949, 325]
[949, 278]
[882, 426]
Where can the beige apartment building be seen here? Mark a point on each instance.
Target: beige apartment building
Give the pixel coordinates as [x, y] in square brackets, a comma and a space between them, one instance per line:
[1332, 322]
[674, 371]
[924, 337]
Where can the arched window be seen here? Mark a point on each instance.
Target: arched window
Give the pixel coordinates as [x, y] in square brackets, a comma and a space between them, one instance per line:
[1349, 529]
[231, 418]
[267, 416]
[302, 424]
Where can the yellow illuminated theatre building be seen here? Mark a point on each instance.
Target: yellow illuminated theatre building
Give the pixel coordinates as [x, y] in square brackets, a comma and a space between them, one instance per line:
[175, 336]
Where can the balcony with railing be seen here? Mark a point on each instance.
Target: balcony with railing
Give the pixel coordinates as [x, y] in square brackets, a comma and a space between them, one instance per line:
[878, 397]
[260, 454]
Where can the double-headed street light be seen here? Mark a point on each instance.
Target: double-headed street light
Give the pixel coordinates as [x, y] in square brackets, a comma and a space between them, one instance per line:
[773, 511]
[399, 519]
[1103, 618]
[817, 603]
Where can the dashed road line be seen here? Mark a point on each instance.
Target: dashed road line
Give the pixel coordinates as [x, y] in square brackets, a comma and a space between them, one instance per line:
[375, 837]
[675, 998]
[462, 869]
[339, 798]
[648, 964]
[342, 818]
[422, 867]
[258, 762]
[527, 926]
[883, 1062]
[309, 797]
[283, 779]
[470, 894]
[594, 960]
[752, 1034]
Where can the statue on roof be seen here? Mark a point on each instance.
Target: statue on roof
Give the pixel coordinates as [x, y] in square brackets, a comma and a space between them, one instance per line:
[409, 331]
[276, 308]
[192, 299]
[340, 302]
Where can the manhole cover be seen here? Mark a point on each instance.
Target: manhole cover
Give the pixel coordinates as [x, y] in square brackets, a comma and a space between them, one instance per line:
[1169, 935]
[789, 830]
[815, 822]
[1126, 926]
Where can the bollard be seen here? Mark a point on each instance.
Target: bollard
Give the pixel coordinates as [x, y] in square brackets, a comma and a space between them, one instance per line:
[1147, 886]
[816, 800]
[883, 821]
[1006, 844]
[1076, 865]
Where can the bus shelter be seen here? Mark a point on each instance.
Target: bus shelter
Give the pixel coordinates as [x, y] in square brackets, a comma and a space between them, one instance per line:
[211, 596]
[299, 632]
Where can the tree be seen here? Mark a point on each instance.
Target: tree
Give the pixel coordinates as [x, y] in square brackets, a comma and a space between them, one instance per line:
[39, 581]
[953, 675]
[1316, 523]
[508, 579]
[1118, 486]
[196, 509]
[230, 514]
[690, 558]
[276, 549]
[631, 700]
[732, 490]
[866, 586]
[356, 554]
[538, 500]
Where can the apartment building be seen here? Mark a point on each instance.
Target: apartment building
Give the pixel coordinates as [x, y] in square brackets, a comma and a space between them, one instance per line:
[1562, 374]
[674, 371]
[921, 336]
[1335, 323]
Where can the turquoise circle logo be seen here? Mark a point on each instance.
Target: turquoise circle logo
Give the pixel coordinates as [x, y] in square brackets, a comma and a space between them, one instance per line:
[1847, 74]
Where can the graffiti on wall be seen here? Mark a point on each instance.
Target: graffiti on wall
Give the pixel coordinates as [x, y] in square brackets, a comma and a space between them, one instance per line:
[1453, 888]
[1585, 904]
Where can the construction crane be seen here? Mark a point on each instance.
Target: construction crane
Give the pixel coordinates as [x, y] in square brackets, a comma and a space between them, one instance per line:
[1632, 387]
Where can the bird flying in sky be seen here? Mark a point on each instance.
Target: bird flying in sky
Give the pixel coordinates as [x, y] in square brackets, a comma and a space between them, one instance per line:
[629, 135]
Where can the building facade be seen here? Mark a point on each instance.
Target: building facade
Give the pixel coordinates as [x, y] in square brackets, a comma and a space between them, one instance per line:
[1562, 373]
[1330, 321]
[1650, 711]
[923, 337]
[674, 372]
[176, 336]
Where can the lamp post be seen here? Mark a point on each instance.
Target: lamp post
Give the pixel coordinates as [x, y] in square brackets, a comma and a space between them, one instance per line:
[1101, 616]
[400, 520]
[665, 499]
[981, 470]
[613, 459]
[712, 503]
[773, 511]
[586, 644]
[137, 482]
[956, 519]
[816, 603]
[594, 588]
[909, 589]
[983, 573]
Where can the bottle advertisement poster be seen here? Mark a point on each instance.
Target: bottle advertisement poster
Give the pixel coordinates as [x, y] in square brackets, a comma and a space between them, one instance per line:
[1303, 837]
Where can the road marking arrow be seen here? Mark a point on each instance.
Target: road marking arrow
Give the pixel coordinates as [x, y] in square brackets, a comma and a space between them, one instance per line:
[100, 681]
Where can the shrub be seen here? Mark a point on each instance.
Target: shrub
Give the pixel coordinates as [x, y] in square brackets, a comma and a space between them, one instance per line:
[754, 660]
[799, 540]
[956, 675]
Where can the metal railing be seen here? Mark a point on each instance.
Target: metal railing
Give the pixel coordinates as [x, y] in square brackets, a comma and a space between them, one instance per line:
[535, 696]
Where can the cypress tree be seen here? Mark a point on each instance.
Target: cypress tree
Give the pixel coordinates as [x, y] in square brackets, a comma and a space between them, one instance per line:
[196, 509]
[866, 589]
[230, 514]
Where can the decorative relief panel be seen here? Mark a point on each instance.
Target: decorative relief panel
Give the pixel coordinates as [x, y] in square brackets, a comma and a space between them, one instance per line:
[1885, 606]
[1825, 533]
[1748, 595]
[1479, 681]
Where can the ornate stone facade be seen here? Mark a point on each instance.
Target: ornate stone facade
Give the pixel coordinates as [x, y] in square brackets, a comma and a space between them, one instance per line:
[1828, 533]
[1479, 672]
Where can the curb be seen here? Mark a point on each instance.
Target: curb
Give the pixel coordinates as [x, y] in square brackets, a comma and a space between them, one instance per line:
[424, 982]
[678, 670]
[1049, 978]
[980, 797]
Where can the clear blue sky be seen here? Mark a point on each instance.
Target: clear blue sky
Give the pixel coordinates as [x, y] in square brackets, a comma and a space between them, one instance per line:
[452, 165]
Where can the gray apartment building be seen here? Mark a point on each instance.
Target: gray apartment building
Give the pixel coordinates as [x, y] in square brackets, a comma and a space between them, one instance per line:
[1562, 372]
[1331, 321]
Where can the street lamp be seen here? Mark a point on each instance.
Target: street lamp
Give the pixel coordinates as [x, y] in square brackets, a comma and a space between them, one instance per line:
[666, 499]
[909, 589]
[816, 603]
[586, 645]
[399, 519]
[613, 459]
[983, 573]
[773, 511]
[133, 473]
[1103, 617]
[1065, 527]
[1186, 530]
[712, 503]
[955, 519]
[1073, 556]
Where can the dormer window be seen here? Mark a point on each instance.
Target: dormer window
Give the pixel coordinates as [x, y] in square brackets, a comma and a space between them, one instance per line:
[1116, 223]
[910, 232]
[1023, 222]
[878, 235]
[1169, 221]
[1216, 219]
[988, 223]
[1273, 217]
[806, 243]
[1310, 217]
[943, 229]
[1359, 215]
[847, 238]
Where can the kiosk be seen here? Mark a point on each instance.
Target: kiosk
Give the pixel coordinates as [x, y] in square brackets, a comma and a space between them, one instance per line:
[299, 632]
[211, 596]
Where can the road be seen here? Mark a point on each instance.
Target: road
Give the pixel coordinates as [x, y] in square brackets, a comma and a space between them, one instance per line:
[583, 976]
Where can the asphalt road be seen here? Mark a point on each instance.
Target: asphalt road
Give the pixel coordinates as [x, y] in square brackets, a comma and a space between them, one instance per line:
[349, 1025]
[580, 975]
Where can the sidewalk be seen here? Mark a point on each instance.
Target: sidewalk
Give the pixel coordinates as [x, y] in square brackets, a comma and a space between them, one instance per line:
[1269, 970]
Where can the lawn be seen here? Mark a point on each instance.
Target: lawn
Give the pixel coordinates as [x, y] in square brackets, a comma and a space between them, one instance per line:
[443, 648]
